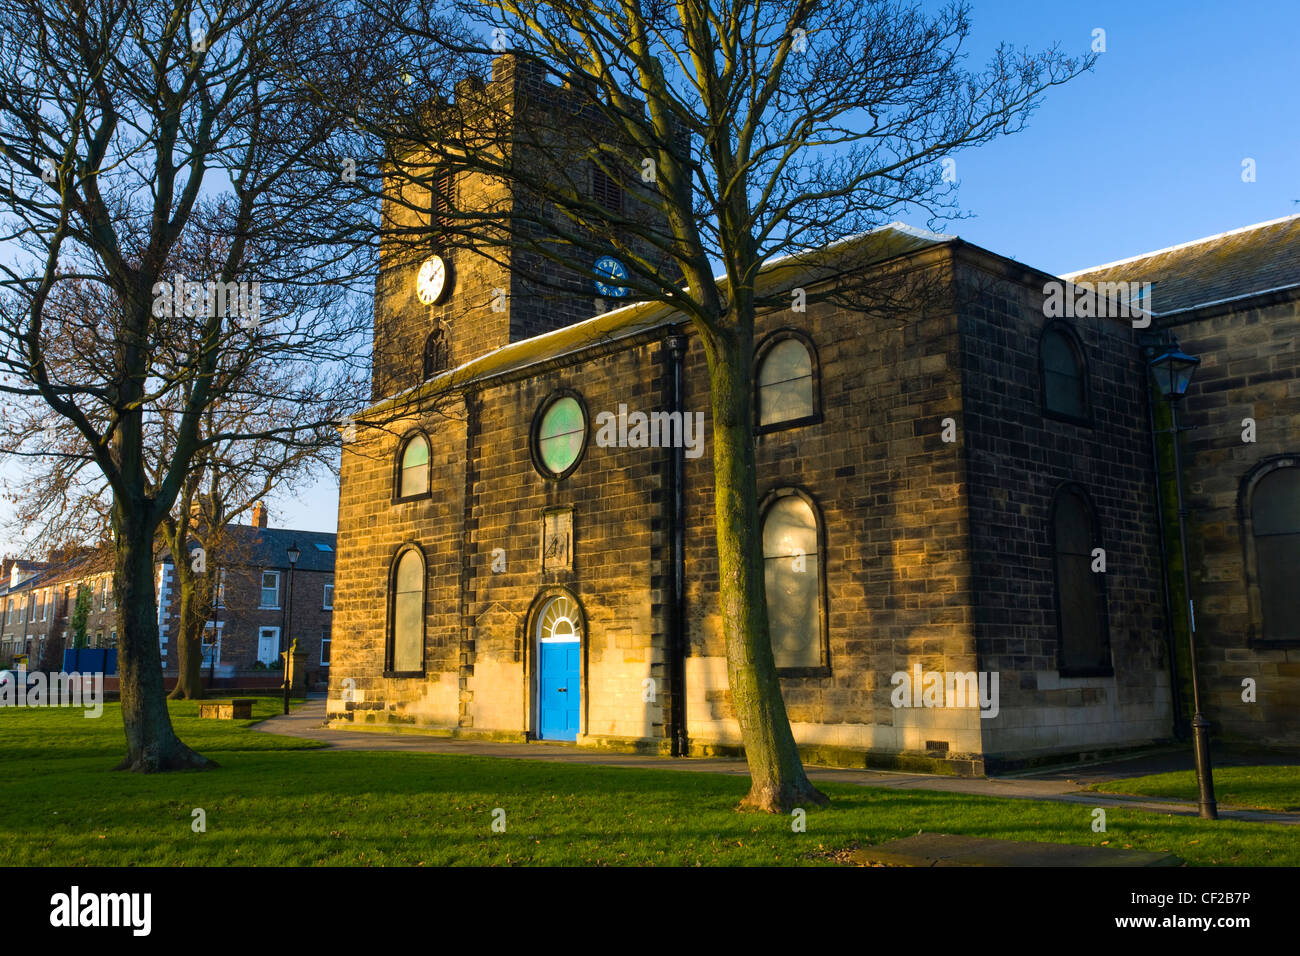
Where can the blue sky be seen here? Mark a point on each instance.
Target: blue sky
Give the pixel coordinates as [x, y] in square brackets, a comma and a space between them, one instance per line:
[1144, 152]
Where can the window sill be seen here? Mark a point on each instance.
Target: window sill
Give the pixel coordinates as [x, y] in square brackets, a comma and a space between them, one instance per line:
[1065, 672]
[409, 498]
[815, 419]
[794, 673]
[1084, 422]
[1272, 644]
[398, 674]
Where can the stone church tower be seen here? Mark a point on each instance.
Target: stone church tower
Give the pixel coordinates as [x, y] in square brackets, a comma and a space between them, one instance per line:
[479, 292]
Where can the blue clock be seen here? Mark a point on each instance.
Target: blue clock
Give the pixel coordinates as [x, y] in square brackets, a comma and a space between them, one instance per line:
[608, 270]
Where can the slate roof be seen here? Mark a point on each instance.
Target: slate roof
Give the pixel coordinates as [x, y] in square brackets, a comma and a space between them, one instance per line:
[49, 573]
[253, 547]
[1259, 258]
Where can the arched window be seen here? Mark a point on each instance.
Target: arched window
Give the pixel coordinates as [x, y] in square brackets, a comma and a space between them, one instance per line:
[1065, 383]
[406, 632]
[435, 353]
[1083, 645]
[786, 383]
[413, 469]
[1273, 560]
[792, 568]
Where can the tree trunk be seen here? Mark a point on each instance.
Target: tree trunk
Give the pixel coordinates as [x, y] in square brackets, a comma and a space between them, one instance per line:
[151, 743]
[779, 783]
[189, 639]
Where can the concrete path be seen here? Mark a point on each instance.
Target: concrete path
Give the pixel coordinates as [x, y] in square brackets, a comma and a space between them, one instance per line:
[1064, 785]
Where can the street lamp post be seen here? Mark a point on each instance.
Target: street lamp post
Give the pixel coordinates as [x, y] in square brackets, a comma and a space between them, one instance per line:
[216, 632]
[1173, 370]
[287, 641]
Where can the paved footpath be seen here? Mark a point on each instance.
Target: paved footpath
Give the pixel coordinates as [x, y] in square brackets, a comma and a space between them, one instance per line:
[1061, 785]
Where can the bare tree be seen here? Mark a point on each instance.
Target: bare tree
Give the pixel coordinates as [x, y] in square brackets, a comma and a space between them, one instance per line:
[742, 131]
[229, 483]
[128, 129]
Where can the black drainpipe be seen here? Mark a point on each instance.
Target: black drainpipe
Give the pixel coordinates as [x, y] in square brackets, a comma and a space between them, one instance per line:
[677, 579]
[1175, 690]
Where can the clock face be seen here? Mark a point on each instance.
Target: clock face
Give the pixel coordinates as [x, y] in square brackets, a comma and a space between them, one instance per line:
[431, 283]
[608, 271]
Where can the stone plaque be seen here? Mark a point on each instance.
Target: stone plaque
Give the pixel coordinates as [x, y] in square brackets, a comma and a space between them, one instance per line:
[557, 540]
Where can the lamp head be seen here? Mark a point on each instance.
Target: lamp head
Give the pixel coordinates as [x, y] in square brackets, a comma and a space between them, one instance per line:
[1173, 370]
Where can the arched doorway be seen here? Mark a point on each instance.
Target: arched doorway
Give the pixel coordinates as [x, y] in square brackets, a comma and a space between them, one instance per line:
[558, 635]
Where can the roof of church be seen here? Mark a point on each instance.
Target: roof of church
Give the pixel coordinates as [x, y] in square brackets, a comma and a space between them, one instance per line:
[1264, 257]
[866, 249]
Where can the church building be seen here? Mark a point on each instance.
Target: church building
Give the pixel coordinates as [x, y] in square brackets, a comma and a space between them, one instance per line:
[957, 496]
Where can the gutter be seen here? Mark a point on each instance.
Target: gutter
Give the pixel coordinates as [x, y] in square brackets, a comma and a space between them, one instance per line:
[676, 519]
[1180, 725]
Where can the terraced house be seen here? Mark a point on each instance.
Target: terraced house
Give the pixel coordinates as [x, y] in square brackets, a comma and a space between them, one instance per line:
[276, 587]
[37, 602]
[960, 484]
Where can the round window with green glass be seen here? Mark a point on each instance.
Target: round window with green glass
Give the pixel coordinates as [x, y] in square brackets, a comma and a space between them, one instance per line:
[561, 436]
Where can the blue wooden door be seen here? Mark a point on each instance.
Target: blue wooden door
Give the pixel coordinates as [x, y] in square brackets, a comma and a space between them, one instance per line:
[560, 692]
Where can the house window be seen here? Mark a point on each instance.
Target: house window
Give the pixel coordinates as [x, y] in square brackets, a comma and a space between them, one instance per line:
[1064, 381]
[1273, 543]
[212, 644]
[1083, 644]
[271, 590]
[103, 595]
[324, 647]
[38, 611]
[606, 190]
[786, 383]
[792, 571]
[413, 475]
[406, 629]
[560, 436]
[327, 602]
[45, 605]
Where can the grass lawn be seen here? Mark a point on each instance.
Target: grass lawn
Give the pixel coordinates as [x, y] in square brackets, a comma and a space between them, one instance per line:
[1264, 788]
[283, 801]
